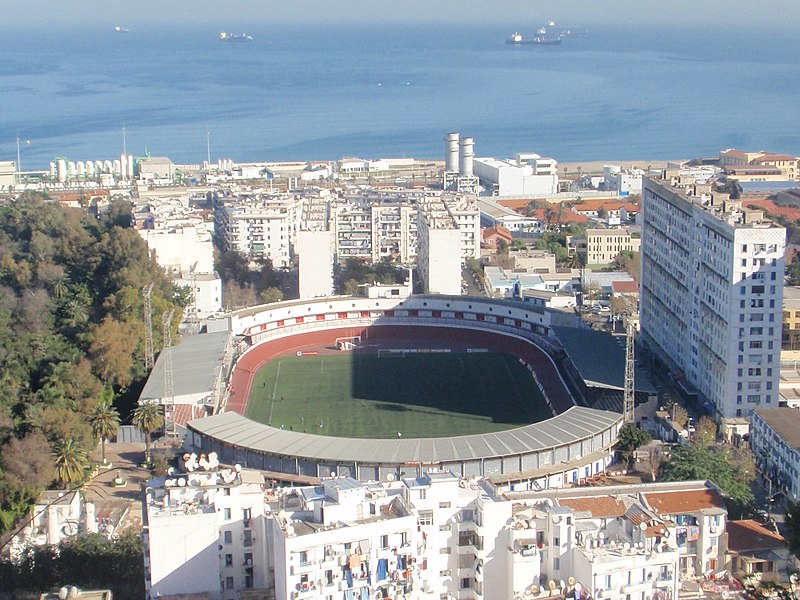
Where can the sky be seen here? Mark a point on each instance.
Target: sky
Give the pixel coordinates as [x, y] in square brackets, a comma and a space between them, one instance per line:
[715, 13]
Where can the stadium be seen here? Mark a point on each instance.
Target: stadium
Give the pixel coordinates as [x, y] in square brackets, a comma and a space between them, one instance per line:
[520, 437]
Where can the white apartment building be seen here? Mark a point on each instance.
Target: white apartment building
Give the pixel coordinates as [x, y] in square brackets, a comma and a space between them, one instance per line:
[436, 536]
[439, 250]
[206, 293]
[624, 181]
[205, 532]
[260, 227]
[316, 254]
[775, 442]
[711, 293]
[602, 246]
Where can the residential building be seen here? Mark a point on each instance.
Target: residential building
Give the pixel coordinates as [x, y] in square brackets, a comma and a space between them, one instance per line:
[492, 236]
[775, 443]
[602, 246]
[756, 554]
[790, 337]
[785, 163]
[439, 249]
[8, 174]
[628, 181]
[316, 256]
[711, 294]
[205, 531]
[260, 227]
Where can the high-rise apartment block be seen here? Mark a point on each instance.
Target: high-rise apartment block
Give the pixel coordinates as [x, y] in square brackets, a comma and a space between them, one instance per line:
[711, 293]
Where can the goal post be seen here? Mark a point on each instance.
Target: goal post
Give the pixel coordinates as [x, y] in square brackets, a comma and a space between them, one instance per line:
[348, 343]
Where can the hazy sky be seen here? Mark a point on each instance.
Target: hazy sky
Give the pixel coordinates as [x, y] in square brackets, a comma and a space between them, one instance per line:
[713, 13]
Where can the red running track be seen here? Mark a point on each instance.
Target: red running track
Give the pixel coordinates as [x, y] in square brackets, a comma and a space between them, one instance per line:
[546, 371]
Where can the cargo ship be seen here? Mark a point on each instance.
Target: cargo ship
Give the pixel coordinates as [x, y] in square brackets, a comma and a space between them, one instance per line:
[234, 37]
[517, 39]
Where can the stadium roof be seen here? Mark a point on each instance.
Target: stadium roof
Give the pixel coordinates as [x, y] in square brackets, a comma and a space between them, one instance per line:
[194, 366]
[574, 424]
[599, 358]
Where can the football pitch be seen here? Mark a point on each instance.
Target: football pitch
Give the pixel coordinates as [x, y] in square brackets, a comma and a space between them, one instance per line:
[390, 395]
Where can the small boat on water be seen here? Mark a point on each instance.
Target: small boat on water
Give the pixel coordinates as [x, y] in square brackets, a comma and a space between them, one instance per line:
[234, 37]
[120, 29]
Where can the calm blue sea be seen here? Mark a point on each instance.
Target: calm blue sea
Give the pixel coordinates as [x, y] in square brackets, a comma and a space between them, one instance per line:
[322, 92]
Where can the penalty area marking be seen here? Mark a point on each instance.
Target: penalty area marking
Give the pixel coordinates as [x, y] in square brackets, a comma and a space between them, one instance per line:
[274, 390]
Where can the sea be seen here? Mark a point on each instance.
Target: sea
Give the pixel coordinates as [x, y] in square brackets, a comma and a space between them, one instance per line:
[323, 92]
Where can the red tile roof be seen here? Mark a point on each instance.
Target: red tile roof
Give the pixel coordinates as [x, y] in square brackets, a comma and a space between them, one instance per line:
[496, 230]
[749, 535]
[599, 506]
[624, 287]
[678, 503]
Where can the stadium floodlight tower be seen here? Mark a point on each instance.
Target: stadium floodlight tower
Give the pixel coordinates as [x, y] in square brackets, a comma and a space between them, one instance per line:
[629, 396]
[169, 387]
[148, 328]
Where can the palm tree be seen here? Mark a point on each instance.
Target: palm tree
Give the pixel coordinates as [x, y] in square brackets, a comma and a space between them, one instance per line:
[104, 420]
[70, 461]
[148, 418]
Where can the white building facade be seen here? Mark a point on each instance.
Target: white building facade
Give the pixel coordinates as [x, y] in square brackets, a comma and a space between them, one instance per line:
[711, 294]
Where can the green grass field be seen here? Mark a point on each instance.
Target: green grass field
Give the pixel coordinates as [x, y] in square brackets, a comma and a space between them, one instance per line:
[371, 395]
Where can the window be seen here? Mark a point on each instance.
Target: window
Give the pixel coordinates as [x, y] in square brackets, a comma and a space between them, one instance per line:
[229, 560]
[229, 583]
[467, 515]
[248, 559]
[445, 550]
[246, 514]
[556, 563]
[466, 583]
[444, 505]
[444, 527]
[248, 538]
[384, 541]
[226, 513]
[248, 581]
[425, 517]
[228, 537]
[556, 542]
[423, 494]
[227, 490]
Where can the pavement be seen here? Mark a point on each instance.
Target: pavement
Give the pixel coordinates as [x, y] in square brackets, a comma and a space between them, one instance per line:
[120, 507]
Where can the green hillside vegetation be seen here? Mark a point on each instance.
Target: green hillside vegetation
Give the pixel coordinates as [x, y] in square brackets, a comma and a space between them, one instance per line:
[71, 329]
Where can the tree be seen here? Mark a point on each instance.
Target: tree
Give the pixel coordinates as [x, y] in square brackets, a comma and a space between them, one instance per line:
[271, 294]
[793, 529]
[111, 350]
[602, 213]
[27, 462]
[680, 416]
[104, 420]
[630, 438]
[706, 434]
[70, 462]
[148, 418]
[694, 462]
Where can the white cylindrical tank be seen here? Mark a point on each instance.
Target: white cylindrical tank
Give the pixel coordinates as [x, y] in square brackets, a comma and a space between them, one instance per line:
[71, 168]
[98, 166]
[117, 167]
[451, 152]
[52, 170]
[107, 166]
[467, 153]
[89, 167]
[61, 170]
[80, 168]
[90, 522]
[53, 536]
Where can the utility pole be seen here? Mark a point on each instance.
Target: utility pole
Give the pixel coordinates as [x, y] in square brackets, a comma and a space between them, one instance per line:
[149, 350]
[630, 393]
[169, 387]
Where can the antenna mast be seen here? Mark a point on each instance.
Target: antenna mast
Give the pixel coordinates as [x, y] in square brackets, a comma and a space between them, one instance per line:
[148, 328]
[169, 387]
[629, 397]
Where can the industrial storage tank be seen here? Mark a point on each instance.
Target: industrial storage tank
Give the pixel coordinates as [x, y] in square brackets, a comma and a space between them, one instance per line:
[451, 152]
[467, 154]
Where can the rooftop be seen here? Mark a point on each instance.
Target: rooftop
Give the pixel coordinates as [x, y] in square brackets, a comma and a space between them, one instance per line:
[784, 421]
[195, 363]
[686, 501]
[749, 536]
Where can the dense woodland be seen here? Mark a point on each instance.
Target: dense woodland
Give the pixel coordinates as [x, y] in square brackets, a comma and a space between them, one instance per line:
[71, 336]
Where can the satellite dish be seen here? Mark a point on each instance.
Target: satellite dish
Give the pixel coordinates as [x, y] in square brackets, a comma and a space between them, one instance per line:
[390, 477]
[571, 580]
[63, 592]
[578, 586]
[237, 467]
[642, 525]
[551, 584]
[333, 473]
[73, 592]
